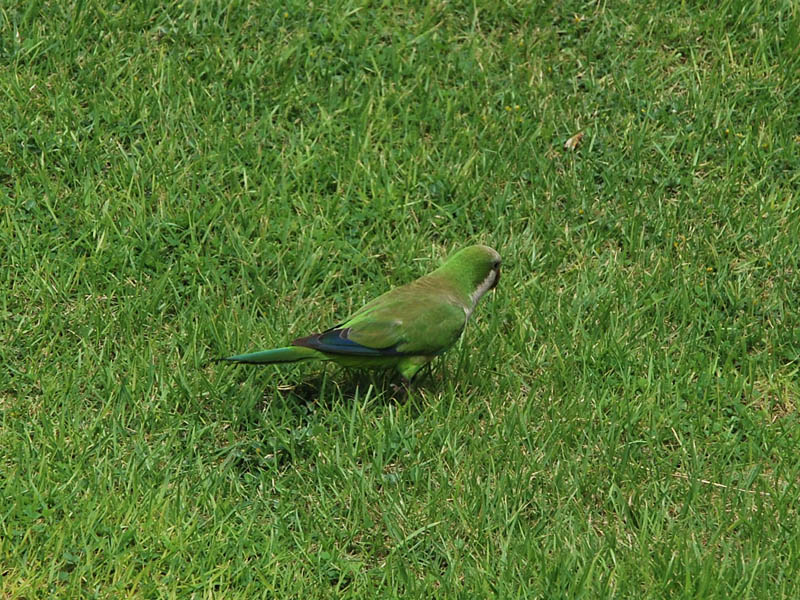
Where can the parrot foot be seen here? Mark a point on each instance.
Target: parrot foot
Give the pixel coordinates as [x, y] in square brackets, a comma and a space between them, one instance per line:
[400, 392]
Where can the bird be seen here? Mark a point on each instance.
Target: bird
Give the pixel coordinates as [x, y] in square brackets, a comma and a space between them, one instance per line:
[404, 328]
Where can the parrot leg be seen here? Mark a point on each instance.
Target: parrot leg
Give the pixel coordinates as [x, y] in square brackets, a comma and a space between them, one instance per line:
[409, 366]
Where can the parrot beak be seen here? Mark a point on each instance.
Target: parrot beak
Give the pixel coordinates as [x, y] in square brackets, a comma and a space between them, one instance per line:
[496, 279]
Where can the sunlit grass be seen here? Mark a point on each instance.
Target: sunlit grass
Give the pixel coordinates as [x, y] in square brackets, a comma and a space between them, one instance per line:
[181, 181]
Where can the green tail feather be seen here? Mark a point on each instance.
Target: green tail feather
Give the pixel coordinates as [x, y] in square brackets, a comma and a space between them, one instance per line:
[276, 355]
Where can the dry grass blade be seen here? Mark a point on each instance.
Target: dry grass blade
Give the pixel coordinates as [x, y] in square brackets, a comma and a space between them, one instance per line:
[572, 143]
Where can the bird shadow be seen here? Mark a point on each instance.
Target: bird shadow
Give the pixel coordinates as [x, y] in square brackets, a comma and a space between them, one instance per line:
[282, 428]
[296, 413]
[325, 391]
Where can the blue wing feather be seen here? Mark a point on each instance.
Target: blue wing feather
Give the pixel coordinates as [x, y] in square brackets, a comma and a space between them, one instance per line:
[337, 341]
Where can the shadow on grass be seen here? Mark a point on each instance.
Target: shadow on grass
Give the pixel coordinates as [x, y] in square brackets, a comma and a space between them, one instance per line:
[328, 390]
[284, 426]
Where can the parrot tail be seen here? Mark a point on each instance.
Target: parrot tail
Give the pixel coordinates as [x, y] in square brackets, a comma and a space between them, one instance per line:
[276, 355]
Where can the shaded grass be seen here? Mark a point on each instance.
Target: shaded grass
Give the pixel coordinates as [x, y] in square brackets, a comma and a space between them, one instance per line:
[182, 180]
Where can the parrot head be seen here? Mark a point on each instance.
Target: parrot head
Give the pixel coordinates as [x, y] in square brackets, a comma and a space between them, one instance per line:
[475, 267]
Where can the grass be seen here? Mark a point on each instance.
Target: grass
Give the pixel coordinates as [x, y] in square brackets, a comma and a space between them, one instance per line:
[183, 180]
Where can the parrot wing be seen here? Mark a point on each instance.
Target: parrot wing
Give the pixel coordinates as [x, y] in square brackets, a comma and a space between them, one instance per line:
[399, 323]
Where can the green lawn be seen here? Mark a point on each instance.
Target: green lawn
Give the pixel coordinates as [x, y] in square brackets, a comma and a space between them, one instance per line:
[184, 180]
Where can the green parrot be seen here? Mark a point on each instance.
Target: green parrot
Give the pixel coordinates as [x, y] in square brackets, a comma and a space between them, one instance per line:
[404, 328]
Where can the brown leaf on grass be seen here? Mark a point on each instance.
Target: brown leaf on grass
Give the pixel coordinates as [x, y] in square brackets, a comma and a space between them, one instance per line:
[573, 142]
